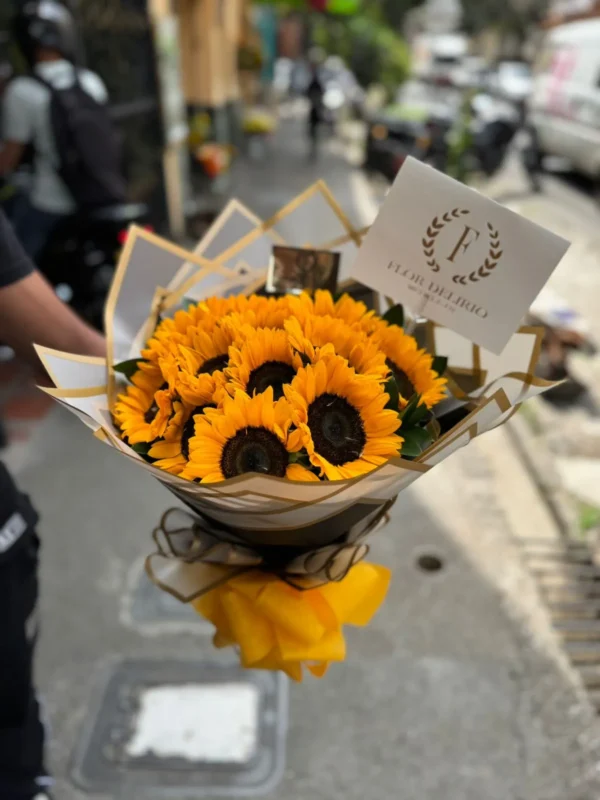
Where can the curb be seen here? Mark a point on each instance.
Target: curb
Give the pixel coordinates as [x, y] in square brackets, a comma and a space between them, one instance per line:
[539, 461]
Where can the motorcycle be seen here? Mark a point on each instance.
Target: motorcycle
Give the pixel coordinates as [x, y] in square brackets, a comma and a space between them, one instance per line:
[479, 138]
[479, 141]
[79, 259]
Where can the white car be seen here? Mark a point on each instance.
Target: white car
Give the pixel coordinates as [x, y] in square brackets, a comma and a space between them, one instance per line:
[564, 107]
[512, 80]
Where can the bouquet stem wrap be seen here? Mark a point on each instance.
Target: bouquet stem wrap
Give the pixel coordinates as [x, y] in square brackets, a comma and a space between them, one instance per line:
[281, 608]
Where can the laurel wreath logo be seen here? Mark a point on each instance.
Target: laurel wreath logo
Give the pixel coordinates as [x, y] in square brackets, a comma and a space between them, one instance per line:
[490, 263]
[437, 225]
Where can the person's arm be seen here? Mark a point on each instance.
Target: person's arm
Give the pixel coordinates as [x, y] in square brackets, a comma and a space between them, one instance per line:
[11, 154]
[17, 125]
[31, 313]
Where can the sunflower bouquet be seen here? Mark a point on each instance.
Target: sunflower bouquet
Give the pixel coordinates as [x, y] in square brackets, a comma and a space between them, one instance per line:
[286, 426]
[300, 388]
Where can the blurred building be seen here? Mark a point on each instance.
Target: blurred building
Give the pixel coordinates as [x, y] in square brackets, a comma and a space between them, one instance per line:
[561, 11]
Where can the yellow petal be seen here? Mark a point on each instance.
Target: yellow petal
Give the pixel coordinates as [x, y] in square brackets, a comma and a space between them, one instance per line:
[165, 450]
[296, 472]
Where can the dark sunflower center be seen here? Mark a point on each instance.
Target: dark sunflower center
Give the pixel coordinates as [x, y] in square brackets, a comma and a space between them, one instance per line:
[271, 373]
[403, 382]
[214, 364]
[189, 430]
[151, 413]
[336, 428]
[254, 449]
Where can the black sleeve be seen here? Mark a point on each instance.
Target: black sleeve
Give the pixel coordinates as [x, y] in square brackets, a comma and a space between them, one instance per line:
[14, 262]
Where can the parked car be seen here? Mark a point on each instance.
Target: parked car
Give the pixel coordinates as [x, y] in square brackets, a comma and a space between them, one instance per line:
[564, 107]
[511, 80]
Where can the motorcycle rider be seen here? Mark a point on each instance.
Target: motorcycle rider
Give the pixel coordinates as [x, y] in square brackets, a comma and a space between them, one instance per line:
[29, 312]
[46, 33]
[315, 93]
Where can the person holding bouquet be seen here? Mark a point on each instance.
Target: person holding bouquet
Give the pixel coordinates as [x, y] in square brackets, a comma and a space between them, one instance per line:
[29, 312]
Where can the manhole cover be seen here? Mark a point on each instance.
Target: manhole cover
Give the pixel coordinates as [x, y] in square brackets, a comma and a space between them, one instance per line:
[183, 729]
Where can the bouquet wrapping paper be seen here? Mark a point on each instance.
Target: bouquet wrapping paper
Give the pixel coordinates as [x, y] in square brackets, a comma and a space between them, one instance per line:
[277, 565]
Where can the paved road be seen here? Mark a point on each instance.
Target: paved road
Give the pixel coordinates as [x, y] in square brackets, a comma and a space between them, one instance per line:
[457, 691]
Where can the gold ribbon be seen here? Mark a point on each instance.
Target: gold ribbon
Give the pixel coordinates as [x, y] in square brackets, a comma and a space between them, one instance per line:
[282, 611]
[191, 559]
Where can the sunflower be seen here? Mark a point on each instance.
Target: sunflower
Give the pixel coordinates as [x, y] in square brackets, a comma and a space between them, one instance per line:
[272, 315]
[248, 434]
[208, 350]
[147, 410]
[235, 304]
[266, 358]
[341, 419]
[187, 380]
[345, 308]
[172, 454]
[318, 332]
[372, 325]
[411, 367]
[175, 331]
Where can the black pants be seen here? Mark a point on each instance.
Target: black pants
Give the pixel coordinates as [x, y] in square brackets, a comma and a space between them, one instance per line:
[21, 730]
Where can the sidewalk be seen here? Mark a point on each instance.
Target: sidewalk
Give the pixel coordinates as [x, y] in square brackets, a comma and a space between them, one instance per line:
[565, 442]
[286, 169]
[457, 691]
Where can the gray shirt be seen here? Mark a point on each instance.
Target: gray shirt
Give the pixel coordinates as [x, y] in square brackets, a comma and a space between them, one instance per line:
[26, 116]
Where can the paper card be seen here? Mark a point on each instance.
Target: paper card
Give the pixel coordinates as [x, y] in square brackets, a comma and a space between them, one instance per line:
[457, 257]
[294, 269]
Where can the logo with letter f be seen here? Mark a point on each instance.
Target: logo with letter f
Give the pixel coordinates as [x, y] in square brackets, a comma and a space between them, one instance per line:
[467, 237]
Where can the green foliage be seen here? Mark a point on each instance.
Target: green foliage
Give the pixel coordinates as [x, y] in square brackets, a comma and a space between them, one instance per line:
[128, 368]
[391, 387]
[285, 5]
[588, 517]
[413, 413]
[416, 441]
[514, 17]
[439, 364]
[372, 49]
[395, 316]
[394, 11]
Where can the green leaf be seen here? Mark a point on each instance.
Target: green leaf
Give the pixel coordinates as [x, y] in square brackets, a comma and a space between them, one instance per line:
[391, 387]
[439, 364]
[434, 428]
[416, 440]
[141, 448]
[129, 368]
[395, 316]
[413, 412]
[301, 457]
[419, 414]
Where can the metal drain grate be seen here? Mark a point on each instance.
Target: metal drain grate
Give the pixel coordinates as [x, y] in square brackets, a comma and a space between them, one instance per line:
[569, 582]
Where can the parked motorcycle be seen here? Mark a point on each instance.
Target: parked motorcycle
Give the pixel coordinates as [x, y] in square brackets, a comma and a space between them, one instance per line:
[81, 255]
[475, 137]
[479, 138]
